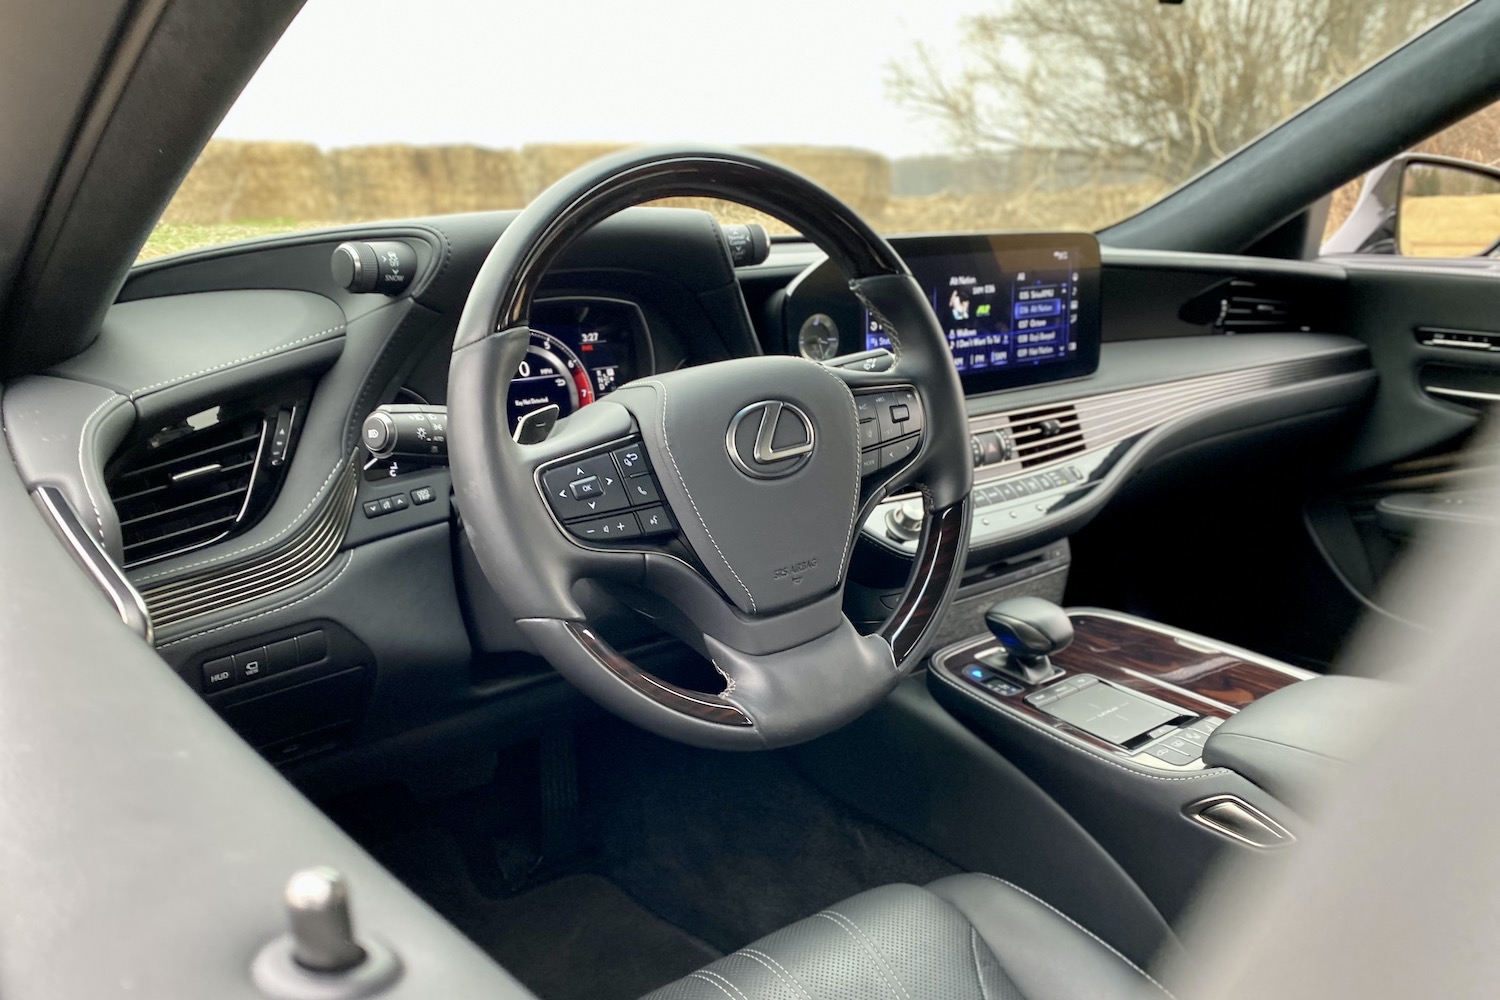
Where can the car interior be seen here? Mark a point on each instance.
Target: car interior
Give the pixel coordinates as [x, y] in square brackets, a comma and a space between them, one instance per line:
[601, 599]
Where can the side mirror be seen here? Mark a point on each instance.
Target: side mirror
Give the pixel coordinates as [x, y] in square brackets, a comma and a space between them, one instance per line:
[1419, 205]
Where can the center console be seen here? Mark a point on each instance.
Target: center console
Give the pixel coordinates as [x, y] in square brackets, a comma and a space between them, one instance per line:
[1133, 690]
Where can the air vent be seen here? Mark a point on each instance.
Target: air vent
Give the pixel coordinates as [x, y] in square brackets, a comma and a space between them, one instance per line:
[1046, 434]
[1240, 306]
[185, 489]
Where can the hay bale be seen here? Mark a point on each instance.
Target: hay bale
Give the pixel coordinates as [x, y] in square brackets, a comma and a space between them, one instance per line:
[859, 177]
[236, 181]
[382, 182]
[544, 164]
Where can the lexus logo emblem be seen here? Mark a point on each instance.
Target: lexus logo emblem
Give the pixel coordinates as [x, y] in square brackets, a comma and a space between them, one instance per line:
[770, 439]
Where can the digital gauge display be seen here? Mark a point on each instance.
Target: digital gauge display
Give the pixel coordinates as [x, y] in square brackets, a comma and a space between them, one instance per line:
[580, 350]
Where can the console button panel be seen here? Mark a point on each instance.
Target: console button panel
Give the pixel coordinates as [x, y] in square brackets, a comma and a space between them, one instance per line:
[256, 661]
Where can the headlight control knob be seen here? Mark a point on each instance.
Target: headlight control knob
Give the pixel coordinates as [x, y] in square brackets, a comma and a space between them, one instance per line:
[386, 266]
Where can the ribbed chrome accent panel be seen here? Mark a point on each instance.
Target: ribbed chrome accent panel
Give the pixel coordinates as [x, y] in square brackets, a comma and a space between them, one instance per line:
[299, 557]
[1112, 417]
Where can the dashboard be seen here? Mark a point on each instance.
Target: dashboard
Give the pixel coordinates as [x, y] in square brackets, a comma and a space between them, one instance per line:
[332, 602]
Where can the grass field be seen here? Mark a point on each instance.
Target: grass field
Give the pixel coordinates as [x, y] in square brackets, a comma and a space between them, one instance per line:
[168, 238]
[1087, 209]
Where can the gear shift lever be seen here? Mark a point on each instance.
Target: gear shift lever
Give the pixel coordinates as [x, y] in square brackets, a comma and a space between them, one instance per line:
[1030, 630]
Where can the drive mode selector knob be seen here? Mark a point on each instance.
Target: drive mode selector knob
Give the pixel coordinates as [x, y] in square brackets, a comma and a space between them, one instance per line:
[386, 266]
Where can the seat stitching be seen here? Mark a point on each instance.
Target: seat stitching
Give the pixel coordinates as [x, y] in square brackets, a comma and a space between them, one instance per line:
[700, 975]
[776, 967]
[709, 972]
[856, 932]
[984, 994]
[1110, 948]
[673, 459]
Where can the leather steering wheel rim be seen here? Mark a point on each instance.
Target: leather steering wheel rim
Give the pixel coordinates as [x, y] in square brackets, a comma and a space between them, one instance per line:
[771, 623]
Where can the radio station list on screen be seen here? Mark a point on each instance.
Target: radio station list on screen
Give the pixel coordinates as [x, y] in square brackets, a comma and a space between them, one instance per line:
[1003, 311]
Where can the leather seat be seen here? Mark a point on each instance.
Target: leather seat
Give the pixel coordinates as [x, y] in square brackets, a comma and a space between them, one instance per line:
[962, 937]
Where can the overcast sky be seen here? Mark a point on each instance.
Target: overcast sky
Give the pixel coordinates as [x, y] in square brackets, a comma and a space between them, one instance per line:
[502, 74]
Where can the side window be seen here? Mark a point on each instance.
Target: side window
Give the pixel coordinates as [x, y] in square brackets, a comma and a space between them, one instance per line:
[1441, 198]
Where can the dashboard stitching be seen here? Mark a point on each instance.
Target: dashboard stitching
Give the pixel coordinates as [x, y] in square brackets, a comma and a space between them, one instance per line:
[1037, 899]
[269, 611]
[854, 499]
[83, 467]
[696, 513]
[1212, 772]
[250, 548]
[279, 348]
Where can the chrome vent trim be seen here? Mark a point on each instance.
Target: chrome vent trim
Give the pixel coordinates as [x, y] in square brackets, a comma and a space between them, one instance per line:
[301, 556]
[1047, 433]
[1112, 417]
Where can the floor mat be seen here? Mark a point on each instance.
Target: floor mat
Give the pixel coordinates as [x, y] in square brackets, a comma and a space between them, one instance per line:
[575, 937]
[581, 938]
[731, 846]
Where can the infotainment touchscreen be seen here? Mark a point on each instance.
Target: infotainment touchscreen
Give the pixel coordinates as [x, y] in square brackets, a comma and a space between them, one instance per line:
[1016, 309]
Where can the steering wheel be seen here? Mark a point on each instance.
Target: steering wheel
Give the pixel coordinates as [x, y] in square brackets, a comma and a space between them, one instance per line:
[722, 500]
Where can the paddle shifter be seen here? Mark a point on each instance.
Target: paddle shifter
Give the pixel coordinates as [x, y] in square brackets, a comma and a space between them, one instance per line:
[1030, 630]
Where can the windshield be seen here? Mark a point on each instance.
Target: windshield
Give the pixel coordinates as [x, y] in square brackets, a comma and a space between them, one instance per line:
[924, 115]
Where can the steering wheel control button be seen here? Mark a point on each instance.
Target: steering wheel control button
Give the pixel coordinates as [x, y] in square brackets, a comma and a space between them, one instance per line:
[607, 529]
[585, 488]
[218, 674]
[655, 521]
[642, 489]
[890, 454]
[251, 664]
[632, 460]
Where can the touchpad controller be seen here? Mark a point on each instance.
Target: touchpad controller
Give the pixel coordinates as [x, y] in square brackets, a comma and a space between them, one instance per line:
[1113, 714]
